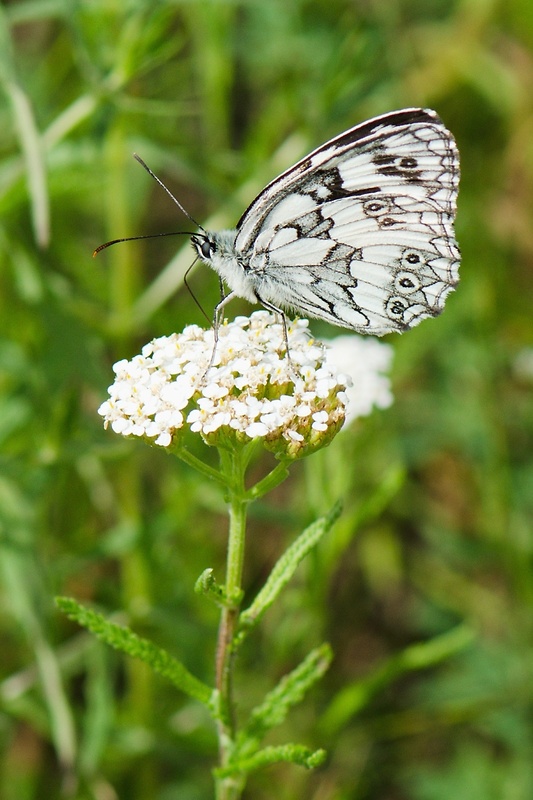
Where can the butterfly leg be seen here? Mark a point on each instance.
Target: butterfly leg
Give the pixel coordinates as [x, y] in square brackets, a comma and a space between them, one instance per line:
[217, 320]
[275, 310]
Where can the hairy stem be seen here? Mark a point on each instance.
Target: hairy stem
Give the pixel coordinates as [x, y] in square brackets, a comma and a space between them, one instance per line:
[233, 466]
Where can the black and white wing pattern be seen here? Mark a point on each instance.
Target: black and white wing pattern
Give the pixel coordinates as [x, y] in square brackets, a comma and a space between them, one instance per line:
[359, 233]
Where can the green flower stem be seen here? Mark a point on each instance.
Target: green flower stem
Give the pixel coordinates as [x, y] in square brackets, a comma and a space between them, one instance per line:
[233, 467]
[199, 465]
[269, 482]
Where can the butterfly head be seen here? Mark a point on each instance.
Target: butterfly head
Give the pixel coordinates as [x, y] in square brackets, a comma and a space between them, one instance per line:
[219, 252]
[204, 245]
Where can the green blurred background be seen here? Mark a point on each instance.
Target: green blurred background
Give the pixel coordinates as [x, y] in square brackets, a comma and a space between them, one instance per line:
[425, 588]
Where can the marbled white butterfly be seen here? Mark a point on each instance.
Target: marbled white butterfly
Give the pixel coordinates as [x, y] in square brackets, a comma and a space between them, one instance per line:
[358, 233]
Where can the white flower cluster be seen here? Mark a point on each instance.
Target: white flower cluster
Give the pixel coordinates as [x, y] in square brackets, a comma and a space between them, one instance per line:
[367, 361]
[250, 390]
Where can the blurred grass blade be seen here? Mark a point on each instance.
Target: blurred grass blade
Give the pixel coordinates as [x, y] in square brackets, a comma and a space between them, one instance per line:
[353, 698]
[29, 138]
[18, 574]
[35, 169]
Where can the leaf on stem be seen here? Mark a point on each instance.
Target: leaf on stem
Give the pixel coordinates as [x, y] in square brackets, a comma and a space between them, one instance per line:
[123, 639]
[284, 570]
[289, 691]
[270, 481]
[208, 586]
[293, 753]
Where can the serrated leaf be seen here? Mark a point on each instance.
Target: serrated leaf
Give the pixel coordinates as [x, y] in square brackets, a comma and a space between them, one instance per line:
[207, 585]
[292, 753]
[125, 640]
[288, 692]
[284, 570]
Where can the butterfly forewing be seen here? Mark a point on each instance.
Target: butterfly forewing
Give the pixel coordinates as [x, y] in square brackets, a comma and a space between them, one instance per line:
[360, 232]
[380, 147]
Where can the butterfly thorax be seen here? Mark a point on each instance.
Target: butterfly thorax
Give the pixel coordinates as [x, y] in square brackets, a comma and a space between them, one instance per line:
[217, 250]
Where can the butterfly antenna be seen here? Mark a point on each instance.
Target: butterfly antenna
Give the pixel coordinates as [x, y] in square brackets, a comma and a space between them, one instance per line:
[154, 235]
[188, 285]
[144, 236]
[167, 190]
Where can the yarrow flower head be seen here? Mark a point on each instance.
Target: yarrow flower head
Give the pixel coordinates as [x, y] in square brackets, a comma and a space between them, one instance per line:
[250, 391]
[367, 361]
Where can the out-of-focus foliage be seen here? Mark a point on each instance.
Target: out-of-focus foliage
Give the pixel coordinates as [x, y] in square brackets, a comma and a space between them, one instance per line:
[436, 541]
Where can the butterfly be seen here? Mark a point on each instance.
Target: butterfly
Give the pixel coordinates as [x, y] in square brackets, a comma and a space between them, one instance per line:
[358, 233]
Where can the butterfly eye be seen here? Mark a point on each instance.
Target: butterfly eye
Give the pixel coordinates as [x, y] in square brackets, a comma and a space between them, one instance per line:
[204, 246]
[207, 248]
